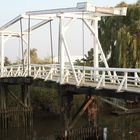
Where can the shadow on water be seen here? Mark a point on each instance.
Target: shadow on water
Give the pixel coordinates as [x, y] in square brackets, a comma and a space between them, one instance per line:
[43, 128]
[126, 127]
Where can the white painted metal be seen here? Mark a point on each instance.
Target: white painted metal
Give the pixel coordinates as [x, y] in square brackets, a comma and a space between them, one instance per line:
[83, 7]
[2, 54]
[12, 34]
[61, 47]
[99, 47]
[123, 80]
[96, 48]
[38, 25]
[3, 41]
[63, 73]
[10, 22]
[64, 47]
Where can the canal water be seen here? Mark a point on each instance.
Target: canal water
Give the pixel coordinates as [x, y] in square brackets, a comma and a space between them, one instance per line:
[126, 127]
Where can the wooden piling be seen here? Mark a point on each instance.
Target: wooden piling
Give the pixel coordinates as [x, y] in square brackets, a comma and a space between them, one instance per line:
[83, 133]
[20, 113]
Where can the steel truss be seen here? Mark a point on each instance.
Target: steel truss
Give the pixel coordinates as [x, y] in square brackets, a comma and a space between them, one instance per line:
[84, 11]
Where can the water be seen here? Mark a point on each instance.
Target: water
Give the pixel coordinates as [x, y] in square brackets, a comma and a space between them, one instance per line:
[43, 129]
[126, 127]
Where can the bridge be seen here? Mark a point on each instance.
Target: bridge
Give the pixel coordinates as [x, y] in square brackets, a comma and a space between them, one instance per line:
[120, 79]
[117, 80]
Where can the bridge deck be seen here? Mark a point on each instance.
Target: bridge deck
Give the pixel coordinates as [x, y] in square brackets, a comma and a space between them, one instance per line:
[119, 80]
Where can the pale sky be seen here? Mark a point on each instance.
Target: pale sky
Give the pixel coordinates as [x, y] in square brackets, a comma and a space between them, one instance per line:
[9, 9]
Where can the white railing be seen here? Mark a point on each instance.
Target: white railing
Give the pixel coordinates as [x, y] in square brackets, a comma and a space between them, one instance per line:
[120, 78]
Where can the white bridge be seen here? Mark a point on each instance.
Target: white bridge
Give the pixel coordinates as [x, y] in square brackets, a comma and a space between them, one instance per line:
[22, 28]
[112, 78]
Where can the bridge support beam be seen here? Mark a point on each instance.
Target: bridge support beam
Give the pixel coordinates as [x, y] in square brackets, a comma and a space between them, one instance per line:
[85, 106]
[71, 116]
[3, 41]
[67, 102]
[61, 51]
[2, 54]
[96, 49]
[63, 46]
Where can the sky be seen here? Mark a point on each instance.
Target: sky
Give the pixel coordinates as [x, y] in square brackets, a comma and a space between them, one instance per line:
[9, 9]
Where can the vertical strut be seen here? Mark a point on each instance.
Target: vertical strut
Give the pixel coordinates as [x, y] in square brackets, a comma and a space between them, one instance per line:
[61, 47]
[96, 51]
[28, 49]
[2, 54]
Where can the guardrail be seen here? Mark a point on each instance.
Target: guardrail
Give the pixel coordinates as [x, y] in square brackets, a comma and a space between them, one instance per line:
[122, 78]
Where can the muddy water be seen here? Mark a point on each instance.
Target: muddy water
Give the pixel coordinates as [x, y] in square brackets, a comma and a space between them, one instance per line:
[126, 127]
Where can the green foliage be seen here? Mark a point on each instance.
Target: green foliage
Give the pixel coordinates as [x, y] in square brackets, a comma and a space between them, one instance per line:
[6, 61]
[45, 99]
[34, 56]
[87, 60]
[120, 35]
[36, 60]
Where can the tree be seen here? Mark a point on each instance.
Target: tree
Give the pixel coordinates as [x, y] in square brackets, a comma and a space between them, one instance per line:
[6, 61]
[36, 60]
[34, 56]
[120, 35]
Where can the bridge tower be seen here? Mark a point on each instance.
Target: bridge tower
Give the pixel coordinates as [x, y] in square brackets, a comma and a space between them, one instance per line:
[61, 72]
[88, 13]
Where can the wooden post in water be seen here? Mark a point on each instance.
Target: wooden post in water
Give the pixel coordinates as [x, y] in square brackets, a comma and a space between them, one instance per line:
[66, 104]
[27, 111]
[25, 95]
[67, 110]
[3, 107]
[3, 92]
[17, 112]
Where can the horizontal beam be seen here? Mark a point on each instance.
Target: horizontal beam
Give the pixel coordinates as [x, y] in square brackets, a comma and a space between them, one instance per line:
[38, 25]
[108, 69]
[14, 34]
[11, 22]
[39, 17]
[111, 11]
[83, 7]
[114, 104]
[16, 19]
[88, 9]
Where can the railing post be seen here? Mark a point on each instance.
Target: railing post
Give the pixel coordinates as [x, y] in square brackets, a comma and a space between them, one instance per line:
[96, 49]
[2, 54]
[136, 78]
[125, 86]
[123, 82]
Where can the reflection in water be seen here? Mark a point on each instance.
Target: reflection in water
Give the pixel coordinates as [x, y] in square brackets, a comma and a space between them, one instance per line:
[43, 128]
[125, 127]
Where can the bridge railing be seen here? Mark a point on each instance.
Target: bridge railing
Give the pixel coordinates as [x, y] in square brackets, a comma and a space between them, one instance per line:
[121, 77]
[118, 78]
